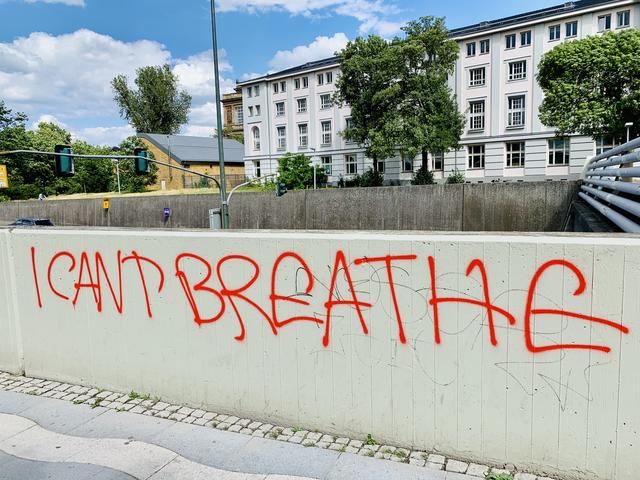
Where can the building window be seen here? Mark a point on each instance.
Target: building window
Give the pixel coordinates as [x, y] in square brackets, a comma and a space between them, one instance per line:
[239, 116]
[256, 91]
[250, 92]
[282, 138]
[275, 87]
[325, 128]
[302, 105]
[326, 164]
[325, 101]
[511, 41]
[303, 135]
[437, 161]
[554, 32]
[515, 154]
[476, 115]
[320, 79]
[477, 77]
[518, 70]
[525, 38]
[471, 49]
[256, 168]
[379, 166]
[571, 29]
[407, 164]
[255, 133]
[624, 19]
[348, 123]
[604, 23]
[296, 84]
[516, 112]
[476, 156]
[257, 110]
[329, 77]
[305, 82]
[604, 144]
[283, 86]
[351, 164]
[251, 111]
[279, 109]
[559, 151]
[485, 46]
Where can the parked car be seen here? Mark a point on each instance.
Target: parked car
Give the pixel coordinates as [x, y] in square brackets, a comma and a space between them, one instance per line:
[32, 222]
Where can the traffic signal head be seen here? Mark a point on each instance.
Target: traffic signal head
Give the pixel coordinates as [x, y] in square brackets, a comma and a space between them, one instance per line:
[141, 162]
[64, 163]
[281, 189]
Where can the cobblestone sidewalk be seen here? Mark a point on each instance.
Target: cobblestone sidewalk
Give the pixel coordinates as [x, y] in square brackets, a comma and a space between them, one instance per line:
[145, 405]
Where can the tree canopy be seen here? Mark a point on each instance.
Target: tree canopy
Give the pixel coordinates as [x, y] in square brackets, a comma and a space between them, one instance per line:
[398, 91]
[296, 172]
[157, 105]
[592, 86]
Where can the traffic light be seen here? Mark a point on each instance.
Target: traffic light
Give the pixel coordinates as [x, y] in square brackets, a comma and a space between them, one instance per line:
[281, 189]
[64, 163]
[140, 163]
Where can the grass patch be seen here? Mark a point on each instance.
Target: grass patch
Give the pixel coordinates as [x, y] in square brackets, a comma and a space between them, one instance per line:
[96, 402]
[499, 476]
[370, 440]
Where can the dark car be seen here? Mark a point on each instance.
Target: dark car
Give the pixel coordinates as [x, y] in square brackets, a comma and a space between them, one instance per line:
[32, 222]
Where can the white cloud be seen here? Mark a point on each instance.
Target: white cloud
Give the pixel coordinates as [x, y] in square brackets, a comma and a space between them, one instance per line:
[196, 73]
[109, 136]
[71, 3]
[321, 47]
[371, 13]
[48, 119]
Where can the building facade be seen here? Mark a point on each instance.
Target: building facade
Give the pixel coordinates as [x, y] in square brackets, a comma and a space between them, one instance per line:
[233, 112]
[495, 86]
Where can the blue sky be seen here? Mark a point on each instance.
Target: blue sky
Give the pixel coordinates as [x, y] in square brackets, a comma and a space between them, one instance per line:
[58, 56]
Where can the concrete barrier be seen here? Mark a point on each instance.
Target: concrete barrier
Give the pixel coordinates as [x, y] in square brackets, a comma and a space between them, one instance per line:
[519, 349]
[497, 207]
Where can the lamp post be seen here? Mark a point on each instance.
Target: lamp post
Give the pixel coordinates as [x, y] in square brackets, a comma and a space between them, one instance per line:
[628, 126]
[216, 74]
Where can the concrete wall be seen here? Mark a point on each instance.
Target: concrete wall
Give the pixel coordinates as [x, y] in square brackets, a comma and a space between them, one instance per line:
[549, 393]
[536, 207]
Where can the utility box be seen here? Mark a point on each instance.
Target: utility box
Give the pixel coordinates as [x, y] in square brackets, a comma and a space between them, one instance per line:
[215, 219]
[105, 204]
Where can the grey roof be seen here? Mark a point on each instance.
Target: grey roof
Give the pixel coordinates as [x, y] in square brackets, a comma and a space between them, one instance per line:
[325, 62]
[528, 16]
[189, 150]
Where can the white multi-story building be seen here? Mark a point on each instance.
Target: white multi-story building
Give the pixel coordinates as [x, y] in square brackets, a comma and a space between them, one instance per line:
[495, 85]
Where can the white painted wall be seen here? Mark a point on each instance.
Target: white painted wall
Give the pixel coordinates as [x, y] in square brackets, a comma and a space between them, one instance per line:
[9, 336]
[571, 411]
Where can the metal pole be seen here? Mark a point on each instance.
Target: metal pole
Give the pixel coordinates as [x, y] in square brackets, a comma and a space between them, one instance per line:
[314, 177]
[216, 73]
[118, 174]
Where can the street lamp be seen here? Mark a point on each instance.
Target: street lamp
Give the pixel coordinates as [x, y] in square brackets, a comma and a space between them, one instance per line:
[216, 74]
[628, 126]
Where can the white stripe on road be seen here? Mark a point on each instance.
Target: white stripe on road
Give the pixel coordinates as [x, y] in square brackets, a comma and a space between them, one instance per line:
[24, 438]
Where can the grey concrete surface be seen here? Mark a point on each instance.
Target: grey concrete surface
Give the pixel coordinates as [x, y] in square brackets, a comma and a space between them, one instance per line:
[503, 207]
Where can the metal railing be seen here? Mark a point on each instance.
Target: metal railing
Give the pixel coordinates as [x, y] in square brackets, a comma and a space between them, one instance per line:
[611, 185]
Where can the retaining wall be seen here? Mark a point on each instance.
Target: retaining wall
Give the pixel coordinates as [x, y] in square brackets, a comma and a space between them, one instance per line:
[518, 349]
[527, 206]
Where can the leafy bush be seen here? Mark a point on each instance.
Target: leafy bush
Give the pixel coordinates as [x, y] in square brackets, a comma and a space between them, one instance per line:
[296, 172]
[499, 476]
[371, 178]
[456, 177]
[423, 176]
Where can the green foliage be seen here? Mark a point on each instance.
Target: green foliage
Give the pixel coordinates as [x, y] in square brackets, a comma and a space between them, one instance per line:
[499, 476]
[227, 132]
[370, 178]
[398, 91]
[157, 105]
[592, 86]
[370, 440]
[456, 177]
[129, 181]
[296, 172]
[423, 176]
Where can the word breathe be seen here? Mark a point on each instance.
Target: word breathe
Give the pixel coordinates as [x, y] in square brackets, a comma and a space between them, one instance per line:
[209, 303]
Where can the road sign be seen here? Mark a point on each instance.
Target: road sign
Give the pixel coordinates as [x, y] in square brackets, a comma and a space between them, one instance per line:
[4, 178]
[105, 204]
[166, 212]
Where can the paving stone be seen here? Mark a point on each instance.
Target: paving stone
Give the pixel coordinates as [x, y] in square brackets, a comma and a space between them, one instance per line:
[314, 436]
[222, 418]
[209, 416]
[323, 444]
[151, 403]
[435, 466]
[338, 447]
[375, 448]
[177, 417]
[162, 414]
[258, 433]
[188, 420]
[231, 420]
[200, 421]
[172, 408]
[235, 428]
[417, 461]
[434, 458]
[70, 397]
[524, 476]
[126, 407]
[295, 439]
[113, 397]
[62, 387]
[186, 411]
[477, 470]
[265, 427]
[161, 405]
[139, 409]
[243, 422]
[288, 432]
[349, 449]
[499, 471]
[58, 394]
[198, 413]
[123, 399]
[254, 425]
[544, 478]
[223, 426]
[93, 392]
[246, 431]
[456, 466]
[327, 438]
[367, 452]
[343, 440]
[356, 444]
[150, 413]
[103, 395]
[116, 405]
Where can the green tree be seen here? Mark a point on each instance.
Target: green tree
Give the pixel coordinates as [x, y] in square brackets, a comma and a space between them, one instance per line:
[93, 174]
[370, 178]
[14, 136]
[592, 86]
[429, 116]
[227, 132]
[157, 105]
[296, 172]
[423, 175]
[129, 180]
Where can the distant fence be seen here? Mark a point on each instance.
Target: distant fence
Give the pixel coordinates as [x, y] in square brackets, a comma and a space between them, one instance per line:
[611, 185]
[533, 207]
[195, 181]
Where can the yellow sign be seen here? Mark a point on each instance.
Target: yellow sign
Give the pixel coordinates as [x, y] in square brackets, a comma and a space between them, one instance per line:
[4, 178]
[105, 204]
